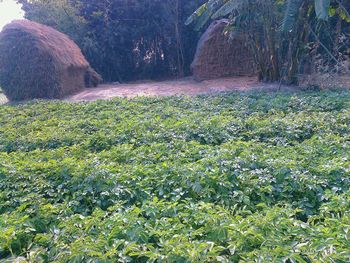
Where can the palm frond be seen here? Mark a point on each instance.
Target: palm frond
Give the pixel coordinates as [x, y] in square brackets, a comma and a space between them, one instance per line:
[344, 13]
[322, 9]
[204, 13]
[290, 15]
[229, 7]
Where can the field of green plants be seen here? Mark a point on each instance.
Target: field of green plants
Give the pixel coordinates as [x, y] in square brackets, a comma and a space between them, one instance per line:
[228, 178]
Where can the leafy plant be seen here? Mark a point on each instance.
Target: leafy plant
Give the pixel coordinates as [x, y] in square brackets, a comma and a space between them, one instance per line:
[279, 30]
[226, 178]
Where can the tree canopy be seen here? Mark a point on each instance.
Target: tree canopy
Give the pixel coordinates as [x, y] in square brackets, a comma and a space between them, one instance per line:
[125, 39]
[135, 39]
[281, 32]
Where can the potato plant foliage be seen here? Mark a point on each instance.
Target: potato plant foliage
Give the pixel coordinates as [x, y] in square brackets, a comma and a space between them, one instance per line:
[228, 178]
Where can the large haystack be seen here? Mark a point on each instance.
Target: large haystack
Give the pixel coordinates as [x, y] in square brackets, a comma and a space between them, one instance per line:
[219, 55]
[37, 61]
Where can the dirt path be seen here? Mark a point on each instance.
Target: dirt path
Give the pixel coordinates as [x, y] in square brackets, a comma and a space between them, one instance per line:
[186, 86]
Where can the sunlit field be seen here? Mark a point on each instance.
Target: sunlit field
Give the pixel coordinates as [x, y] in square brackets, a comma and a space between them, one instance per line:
[175, 131]
[227, 178]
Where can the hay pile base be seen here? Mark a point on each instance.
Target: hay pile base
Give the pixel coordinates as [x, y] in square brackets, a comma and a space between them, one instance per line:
[218, 55]
[37, 61]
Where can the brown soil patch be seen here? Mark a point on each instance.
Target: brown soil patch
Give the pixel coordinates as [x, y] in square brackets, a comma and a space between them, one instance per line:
[186, 86]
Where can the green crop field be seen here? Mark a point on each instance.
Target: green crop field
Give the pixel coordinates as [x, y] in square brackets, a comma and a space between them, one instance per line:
[229, 178]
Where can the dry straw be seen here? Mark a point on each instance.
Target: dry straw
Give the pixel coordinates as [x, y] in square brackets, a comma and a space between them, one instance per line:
[37, 61]
[221, 55]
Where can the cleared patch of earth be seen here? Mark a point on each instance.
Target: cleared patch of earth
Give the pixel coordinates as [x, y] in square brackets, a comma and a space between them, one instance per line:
[185, 86]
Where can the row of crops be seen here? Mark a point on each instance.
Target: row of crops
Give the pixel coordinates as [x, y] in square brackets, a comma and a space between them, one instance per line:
[228, 178]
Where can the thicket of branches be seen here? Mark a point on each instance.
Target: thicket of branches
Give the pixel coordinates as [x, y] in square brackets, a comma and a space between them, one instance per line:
[125, 39]
[134, 39]
[284, 34]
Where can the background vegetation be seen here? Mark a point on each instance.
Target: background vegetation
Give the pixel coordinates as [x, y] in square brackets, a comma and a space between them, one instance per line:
[125, 39]
[288, 37]
[250, 177]
[138, 39]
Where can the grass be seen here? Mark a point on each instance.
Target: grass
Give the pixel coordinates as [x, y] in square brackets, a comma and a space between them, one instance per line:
[237, 177]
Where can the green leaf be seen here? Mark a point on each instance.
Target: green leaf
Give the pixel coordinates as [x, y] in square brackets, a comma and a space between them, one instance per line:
[290, 15]
[322, 9]
[227, 8]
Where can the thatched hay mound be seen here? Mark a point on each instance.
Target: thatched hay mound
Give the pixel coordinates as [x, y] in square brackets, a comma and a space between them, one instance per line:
[219, 55]
[37, 61]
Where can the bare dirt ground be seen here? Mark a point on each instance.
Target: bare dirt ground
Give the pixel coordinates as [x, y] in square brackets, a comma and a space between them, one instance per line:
[186, 86]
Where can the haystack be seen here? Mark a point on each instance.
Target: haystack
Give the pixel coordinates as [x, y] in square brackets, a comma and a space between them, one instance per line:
[219, 55]
[37, 61]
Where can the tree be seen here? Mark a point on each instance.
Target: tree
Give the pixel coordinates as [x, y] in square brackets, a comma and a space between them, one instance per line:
[125, 39]
[278, 30]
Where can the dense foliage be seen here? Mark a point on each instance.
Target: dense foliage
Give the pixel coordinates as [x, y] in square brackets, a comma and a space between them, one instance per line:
[125, 39]
[251, 177]
[287, 35]
[138, 39]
